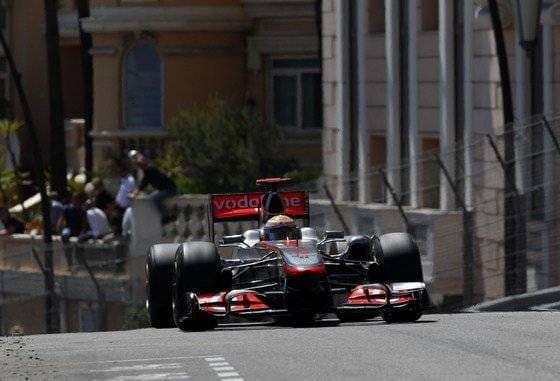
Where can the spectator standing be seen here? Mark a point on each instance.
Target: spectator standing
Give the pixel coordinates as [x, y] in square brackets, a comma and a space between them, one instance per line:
[128, 184]
[10, 225]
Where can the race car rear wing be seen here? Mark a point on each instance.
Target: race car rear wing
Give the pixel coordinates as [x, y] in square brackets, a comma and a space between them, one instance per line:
[247, 207]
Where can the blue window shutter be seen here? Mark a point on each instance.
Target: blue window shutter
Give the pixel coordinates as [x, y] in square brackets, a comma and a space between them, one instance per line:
[143, 88]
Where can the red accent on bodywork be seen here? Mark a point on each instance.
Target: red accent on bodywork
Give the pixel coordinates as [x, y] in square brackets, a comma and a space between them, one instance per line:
[302, 270]
[247, 301]
[212, 302]
[367, 295]
[400, 299]
[242, 205]
[274, 180]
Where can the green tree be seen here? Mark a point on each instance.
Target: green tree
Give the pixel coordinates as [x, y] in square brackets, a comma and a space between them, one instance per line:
[223, 147]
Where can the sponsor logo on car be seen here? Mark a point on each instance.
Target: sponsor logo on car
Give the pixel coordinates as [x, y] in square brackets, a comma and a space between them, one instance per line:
[247, 204]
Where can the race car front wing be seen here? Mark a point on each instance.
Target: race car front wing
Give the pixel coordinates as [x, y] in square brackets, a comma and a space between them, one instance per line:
[250, 303]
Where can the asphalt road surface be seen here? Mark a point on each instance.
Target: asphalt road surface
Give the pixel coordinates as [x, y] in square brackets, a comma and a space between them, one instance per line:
[522, 345]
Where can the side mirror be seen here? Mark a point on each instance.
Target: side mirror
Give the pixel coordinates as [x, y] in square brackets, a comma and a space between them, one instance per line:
[233, 239]
[334, 234]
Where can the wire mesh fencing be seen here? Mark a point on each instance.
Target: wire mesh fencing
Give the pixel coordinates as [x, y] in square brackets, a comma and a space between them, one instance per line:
[92, 285]
[485, 214]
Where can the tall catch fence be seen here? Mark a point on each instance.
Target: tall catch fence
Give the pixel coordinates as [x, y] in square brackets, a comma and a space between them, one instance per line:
[502, 188]
[485, 216]
[91, 285]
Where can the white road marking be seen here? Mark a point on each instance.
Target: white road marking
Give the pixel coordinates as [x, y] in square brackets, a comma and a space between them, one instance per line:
[223, 369]
[209, 359]
[228, 374]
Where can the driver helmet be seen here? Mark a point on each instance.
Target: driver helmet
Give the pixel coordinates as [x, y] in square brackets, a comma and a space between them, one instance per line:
[280, 227]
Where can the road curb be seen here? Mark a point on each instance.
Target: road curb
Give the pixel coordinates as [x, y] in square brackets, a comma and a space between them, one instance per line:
[521, 302]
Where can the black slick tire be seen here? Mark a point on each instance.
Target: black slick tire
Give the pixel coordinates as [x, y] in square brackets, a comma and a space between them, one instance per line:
[400, 262]
[400, 258]
[197, 270]
[159, 270]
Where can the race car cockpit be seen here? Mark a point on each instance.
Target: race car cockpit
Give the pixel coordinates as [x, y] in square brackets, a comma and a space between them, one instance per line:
[280, 227]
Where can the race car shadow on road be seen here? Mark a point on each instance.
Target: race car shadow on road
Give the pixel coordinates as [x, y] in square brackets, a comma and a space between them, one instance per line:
[317, 324]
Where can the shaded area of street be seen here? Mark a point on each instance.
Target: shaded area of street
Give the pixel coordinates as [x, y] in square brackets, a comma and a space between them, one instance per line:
[490, 345]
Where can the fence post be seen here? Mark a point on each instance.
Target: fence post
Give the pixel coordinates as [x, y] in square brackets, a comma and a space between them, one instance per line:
[336, 210]
[515, 239]
[550, 262]
[468, 239]
[100, 293]
[397, 201]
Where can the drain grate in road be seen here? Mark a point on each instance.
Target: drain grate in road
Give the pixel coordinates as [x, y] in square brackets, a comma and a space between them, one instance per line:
[223, 369]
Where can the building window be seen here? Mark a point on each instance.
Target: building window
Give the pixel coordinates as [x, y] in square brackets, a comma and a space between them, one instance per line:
[430, 15]
[296, 93]
[143, 93]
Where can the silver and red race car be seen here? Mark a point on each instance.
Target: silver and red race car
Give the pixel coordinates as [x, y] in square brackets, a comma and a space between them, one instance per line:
[281, 269]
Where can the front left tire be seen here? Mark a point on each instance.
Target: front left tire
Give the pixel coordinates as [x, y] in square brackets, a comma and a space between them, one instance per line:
[197, 270]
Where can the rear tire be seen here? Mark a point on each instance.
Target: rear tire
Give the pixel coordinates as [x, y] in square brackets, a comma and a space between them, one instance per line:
[197, 270]
[159, 270]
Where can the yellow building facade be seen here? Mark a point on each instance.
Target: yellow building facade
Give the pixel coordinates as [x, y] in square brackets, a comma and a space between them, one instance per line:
[153, 58]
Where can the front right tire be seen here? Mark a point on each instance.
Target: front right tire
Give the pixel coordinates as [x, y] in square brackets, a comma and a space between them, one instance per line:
[400, 262]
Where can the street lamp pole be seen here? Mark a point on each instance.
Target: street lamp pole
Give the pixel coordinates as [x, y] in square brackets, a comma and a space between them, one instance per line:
[527, 20]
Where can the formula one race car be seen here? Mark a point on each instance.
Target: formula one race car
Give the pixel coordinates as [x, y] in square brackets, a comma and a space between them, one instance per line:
[282, 270]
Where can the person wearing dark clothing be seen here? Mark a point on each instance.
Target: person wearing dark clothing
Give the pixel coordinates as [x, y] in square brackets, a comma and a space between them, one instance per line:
[100, 197]
[157, 180]
[163, 186]
[74, 221]
[10, 224]
[74, 216]
[103, 200]
[57, 210]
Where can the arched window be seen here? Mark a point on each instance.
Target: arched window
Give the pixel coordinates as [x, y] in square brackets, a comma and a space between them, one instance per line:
[143, 98]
